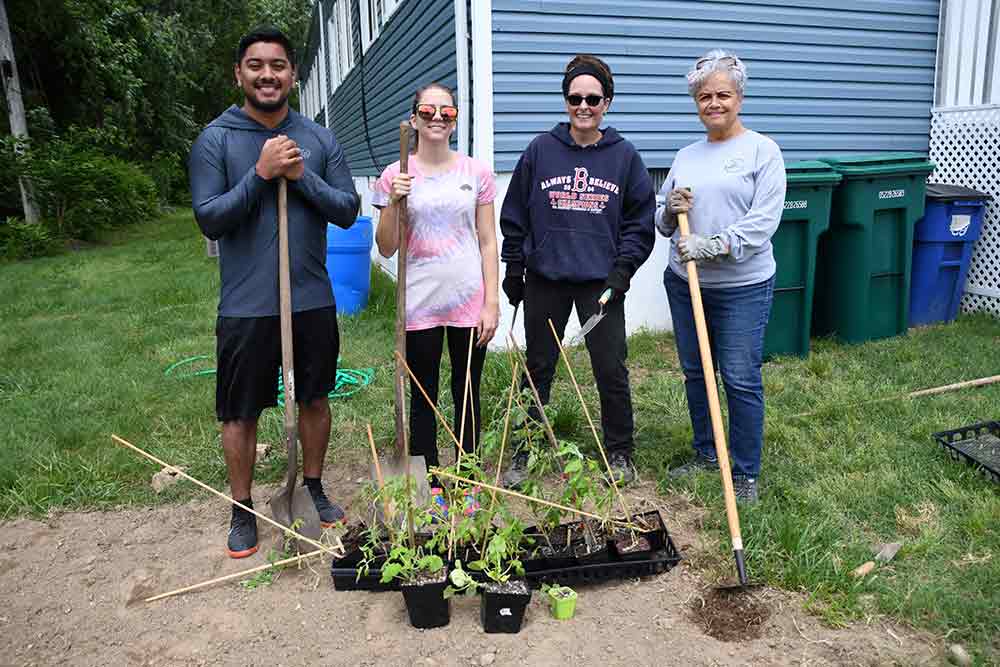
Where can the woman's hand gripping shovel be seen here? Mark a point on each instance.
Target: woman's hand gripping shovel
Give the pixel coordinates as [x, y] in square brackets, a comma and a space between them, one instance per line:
[414, 468]
[721, 450]
[292, 503]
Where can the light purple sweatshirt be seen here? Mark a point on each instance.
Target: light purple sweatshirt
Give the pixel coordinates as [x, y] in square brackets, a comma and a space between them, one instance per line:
[739, 194]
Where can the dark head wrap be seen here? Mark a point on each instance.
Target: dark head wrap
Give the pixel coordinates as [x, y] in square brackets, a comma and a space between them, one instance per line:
[587, 68]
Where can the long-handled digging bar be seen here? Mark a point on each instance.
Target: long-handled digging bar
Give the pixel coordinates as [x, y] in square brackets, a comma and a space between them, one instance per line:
[715, 412]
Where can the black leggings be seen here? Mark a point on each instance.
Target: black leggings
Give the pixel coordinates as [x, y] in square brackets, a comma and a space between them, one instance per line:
[423, 354]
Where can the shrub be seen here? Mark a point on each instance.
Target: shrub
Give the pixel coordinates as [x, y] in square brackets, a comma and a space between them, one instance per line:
[21, 240]
[170, 176]
[79, 188]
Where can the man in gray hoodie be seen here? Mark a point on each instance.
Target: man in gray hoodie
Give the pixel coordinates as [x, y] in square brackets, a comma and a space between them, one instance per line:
[235, 166]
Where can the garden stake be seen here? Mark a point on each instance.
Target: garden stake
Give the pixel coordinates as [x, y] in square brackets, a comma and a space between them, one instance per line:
[235, 575]
[440, 417]
[394, 466]
[933, 391]
[337, 550]
[539, 501]
[466, 390]
[503, 443]
[292, 502]
[534, 392]
[378, 474]
[721, 450]
[593, 429]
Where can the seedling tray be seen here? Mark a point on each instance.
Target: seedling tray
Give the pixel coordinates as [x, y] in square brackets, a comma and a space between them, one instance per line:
[662, 558]
[976, 444]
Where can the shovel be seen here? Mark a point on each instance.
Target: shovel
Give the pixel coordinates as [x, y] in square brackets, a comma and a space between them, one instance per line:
[401, 464]
[291, 503]
[594, 319]
[715, 412]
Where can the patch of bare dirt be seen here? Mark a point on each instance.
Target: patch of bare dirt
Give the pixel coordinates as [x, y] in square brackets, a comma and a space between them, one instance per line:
[72, 590]
[730, 616]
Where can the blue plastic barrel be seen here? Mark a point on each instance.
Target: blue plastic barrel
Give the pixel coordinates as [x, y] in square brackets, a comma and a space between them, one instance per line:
[942, 248]
[348, 261]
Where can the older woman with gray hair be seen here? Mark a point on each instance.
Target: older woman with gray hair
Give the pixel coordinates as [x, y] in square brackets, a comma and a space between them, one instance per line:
[732, 186]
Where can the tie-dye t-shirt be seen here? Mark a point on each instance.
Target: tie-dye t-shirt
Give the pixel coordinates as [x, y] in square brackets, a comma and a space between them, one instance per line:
[444, 269]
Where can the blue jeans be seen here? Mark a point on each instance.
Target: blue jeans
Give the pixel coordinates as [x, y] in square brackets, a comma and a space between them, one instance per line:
[736, 318]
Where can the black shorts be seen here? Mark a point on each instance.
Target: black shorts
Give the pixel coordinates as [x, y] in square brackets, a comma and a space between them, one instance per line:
[248, 352]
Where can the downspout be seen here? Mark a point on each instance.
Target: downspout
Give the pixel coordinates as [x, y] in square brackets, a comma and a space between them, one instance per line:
[323, 60]
[462, 71]
[482, 80]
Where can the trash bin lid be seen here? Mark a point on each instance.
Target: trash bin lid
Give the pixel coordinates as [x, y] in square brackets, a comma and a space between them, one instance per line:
[946, 192]
[810, 172]
[877, 164]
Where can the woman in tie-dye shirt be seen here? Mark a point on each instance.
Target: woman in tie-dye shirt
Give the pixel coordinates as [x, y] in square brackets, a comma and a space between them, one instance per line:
[451, 264]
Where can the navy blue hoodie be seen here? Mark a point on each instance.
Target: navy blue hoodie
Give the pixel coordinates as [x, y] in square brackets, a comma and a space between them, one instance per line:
[574, 213]
[240, 209]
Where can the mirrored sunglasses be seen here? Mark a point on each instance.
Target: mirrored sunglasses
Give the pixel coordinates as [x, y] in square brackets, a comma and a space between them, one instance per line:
[428, 111]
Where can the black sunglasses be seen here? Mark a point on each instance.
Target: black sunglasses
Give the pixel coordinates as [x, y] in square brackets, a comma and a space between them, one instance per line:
[592, 100]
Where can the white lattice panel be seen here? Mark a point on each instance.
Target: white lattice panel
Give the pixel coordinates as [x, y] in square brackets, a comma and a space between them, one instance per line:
[965, 145]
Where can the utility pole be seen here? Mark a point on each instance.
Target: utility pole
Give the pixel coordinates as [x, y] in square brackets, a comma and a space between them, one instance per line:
[12, 90]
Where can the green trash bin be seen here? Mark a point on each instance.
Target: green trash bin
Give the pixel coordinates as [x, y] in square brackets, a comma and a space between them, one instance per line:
[806, 216]
[863, 263]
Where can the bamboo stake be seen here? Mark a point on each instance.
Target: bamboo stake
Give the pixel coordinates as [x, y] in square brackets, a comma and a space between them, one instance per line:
[467, 389]
[236, 575]
[539, 501]
[981, 382]
[333, 551]
[503, 444]
[378, 474]
[534, 392]
[593, 429]
[440, 417]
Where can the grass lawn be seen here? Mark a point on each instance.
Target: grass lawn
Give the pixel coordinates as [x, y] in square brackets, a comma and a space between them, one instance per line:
[87, 337]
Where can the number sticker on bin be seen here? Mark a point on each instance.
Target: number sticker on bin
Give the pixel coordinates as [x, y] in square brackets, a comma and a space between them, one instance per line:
[960, 224]
[892, 194]
[796, 204]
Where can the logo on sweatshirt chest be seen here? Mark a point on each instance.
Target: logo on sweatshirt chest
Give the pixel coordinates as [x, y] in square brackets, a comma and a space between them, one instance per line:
[579, 191]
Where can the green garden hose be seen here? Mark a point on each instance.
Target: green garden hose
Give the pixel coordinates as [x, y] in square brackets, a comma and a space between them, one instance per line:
[349, 380]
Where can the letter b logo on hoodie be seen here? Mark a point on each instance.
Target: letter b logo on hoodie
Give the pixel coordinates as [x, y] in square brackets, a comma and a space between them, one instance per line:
[580, 178]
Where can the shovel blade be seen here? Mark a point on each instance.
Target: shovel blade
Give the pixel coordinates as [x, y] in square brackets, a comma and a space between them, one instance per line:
[395, 467]
[287, 508]
[587, 327]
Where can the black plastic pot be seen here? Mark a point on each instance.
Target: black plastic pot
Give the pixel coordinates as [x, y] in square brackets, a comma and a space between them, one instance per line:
[502, 610]
[426, 604]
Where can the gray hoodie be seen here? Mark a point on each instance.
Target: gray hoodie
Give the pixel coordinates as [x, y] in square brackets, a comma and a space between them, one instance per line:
[240, 209]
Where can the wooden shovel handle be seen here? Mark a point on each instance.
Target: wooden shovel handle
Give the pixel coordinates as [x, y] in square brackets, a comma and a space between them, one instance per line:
[708, 369]
[287, 349]
[401, 215]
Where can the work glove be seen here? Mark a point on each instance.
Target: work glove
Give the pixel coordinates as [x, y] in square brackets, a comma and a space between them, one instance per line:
[513, 284]
[679, 200]
[701, 249]
[618, 282]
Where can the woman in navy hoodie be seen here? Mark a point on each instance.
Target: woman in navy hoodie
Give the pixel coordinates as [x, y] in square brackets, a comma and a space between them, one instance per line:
[577, 221]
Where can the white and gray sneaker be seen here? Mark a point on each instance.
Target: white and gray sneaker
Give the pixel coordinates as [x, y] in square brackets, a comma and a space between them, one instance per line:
[517, 471]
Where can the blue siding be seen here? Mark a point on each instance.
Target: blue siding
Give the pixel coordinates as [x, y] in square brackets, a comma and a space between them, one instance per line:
[415, 47]
[858, 78]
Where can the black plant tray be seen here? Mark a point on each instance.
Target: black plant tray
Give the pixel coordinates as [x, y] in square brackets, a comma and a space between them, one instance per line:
[662, 558]
[976, 444]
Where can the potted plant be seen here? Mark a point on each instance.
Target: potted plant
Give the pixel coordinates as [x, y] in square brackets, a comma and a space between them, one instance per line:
[505, 595]
[415, 563]
[562, 601]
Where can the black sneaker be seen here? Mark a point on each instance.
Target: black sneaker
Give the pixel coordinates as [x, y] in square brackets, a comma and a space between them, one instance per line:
[242, 533]
[745, 489]
[622, 468]
[330, 513]
[517, 472]
[699, 463]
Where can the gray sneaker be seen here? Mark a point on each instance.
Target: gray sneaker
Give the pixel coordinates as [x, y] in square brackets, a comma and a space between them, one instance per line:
[622, 468]
[746, 490]
[699, 463]
[517, 472]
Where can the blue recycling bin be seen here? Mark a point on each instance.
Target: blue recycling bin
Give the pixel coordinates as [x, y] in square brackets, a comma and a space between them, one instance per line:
[942, 247]
[348, 261]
